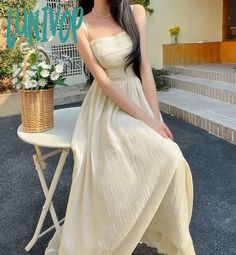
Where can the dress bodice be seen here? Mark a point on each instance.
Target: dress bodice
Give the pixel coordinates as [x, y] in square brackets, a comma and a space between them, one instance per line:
[110, 52]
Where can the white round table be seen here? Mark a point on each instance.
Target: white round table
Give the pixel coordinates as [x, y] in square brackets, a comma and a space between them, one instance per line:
[59, 138]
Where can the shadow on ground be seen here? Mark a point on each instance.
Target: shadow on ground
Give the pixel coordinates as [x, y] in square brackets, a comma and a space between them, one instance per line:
[213, 165]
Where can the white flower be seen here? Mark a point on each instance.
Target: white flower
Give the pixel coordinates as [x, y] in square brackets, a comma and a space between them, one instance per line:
[16, 72]
[18, 86]
[14, 81]
[54, 76]
[45, 73]
[59, 68]
[30, 84]
[34, 84]
[27, 84]
[44, 65]
[34, 67]
[30, 74]
[42, 82]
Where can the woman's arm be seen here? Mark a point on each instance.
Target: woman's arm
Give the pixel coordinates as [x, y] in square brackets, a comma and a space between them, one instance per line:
[146, 74]
[148, 82]
[103, 80]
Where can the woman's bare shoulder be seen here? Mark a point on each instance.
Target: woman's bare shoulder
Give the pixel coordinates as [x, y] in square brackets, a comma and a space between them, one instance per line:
[139, 13]
[138, 8]
[86, 21]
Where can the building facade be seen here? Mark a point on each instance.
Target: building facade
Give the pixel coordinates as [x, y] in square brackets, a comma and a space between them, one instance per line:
[200, 21]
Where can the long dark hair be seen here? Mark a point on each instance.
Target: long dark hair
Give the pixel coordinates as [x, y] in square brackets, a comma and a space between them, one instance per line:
[122, 14]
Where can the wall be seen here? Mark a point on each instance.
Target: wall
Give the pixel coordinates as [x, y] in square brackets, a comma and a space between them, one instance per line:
[199, 20]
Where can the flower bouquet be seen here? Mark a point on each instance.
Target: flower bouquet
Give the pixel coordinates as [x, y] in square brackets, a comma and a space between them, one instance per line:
[174, 32]
[35, 80]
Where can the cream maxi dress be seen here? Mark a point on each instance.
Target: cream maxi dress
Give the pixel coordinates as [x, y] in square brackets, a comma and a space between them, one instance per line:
[129, 183]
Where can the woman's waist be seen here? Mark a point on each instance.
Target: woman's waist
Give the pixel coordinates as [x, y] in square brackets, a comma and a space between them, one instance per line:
[119, 73]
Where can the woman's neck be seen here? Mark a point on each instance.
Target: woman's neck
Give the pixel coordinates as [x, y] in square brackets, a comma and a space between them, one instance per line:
[102, 7]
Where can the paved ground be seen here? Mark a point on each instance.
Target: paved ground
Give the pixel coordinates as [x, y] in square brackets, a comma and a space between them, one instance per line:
[213, 164]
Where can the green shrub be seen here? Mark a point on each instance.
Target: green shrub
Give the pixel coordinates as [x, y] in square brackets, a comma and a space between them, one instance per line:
[8, 57]
[159, 76]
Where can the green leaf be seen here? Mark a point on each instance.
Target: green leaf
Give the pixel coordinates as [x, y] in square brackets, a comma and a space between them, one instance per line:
[60, 81]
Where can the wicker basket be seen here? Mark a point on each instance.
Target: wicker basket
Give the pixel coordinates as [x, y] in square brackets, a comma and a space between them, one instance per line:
[36, 106]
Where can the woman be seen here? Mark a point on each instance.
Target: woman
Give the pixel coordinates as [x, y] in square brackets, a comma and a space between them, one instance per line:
[131, 182]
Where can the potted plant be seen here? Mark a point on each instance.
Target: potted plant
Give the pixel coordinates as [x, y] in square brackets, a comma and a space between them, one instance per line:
[35, 80]
[174, 32]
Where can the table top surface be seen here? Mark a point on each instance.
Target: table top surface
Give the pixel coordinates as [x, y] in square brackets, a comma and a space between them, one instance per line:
[60, 135]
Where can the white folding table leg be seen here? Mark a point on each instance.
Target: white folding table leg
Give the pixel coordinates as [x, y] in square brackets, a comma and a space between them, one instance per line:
[45, 189]
[49, 195]
[39, 154]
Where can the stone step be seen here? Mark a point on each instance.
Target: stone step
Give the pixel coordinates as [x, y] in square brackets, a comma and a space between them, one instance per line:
[219, 90]
[214, 116]
[215, 72]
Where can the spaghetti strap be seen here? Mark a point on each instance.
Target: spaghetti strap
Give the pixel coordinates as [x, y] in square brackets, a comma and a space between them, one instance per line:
[85, 28]
[132, 7]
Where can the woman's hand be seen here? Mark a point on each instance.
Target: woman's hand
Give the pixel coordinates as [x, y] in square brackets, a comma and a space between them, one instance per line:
[158, 126]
